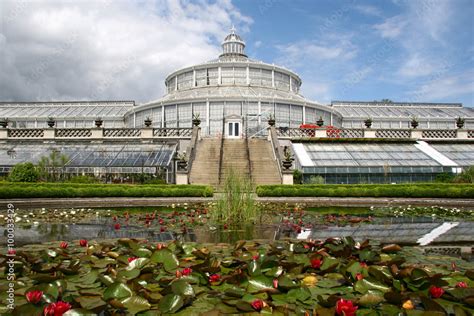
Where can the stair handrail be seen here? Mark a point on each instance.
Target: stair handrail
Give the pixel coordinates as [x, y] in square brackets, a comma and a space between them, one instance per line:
[191, 155]
[277, 151]
[247, 149]
[221, 151]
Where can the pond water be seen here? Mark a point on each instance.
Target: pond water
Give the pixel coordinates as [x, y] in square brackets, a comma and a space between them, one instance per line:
[162, 224]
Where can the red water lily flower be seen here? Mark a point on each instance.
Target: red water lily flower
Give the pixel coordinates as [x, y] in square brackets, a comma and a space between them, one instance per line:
[256, 257]
[11, 252]
[436, 292]
[187, 271]
[162, 229]
[363, 265]
[214, 278]
[83, 243]
[359, 276]
[63, 245]
[56, 309]
[257, 305]
[316, 263]
[461, 284]
[117, 226]
[34, 296]
[130, 259]
[346, 308]
[275, 283]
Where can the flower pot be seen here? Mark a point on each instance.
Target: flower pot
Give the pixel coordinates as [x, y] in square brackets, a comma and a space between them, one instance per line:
[148, 122]
[51, 123]
[460, 123]
[271, 122]
[182, 165]
[368, 123]
[196, 122]
[320, 122]
[287, 164]
[414, 124]
[98, 123]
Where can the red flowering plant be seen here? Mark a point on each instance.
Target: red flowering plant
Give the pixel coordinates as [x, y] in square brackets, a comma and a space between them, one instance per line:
[346, 308]
[436, 292]
[257, 305]
[34, 297]
[56, 309]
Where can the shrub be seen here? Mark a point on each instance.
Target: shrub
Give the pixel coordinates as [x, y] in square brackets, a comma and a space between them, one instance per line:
[467, 176]
[72, 190]
[316, 180]
[439, 190]
[24, 172]
[83, 179]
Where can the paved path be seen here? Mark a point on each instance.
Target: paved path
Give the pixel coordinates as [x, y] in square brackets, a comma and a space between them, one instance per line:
[310, 201]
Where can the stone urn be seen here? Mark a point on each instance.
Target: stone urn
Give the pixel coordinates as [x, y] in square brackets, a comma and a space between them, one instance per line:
[51, 122]
[320, 122]
[98, 122]
[148, 122]
[460, 122]
[368, 123]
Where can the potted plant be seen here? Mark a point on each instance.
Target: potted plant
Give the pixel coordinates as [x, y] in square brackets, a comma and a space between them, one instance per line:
[182, 162]
[4, 122]
[271, 120]
[320, 122]
[460, 122]
[98, 122]
[368, 122]
[287, 158]
[148, 121]
[414, 122]
[51, 122]
[196, 119]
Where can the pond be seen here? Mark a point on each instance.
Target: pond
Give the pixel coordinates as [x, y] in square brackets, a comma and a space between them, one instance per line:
[295, 261]
[191, 223]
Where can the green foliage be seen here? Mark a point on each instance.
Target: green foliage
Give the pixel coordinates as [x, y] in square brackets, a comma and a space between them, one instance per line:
[316, 180]
[72, 190]
[440, 190]
[444, 177]
[297, 177]
[237, 204]
[467, 176]
[83, 179]
[52, 167]
[24, 172]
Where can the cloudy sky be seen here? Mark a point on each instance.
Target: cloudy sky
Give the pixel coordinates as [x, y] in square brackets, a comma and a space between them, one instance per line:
[404, 50]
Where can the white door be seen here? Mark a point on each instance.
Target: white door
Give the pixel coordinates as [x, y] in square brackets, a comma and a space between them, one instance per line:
[233, 129]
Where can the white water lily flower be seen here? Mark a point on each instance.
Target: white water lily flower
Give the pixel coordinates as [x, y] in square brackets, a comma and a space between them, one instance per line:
[17, 219]
[73, 212]
[35, 223]
[43, 209]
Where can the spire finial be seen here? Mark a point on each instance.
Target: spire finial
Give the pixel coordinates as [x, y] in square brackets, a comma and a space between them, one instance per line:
[232, 29]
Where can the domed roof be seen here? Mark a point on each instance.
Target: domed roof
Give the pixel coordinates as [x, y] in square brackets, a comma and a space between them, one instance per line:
[233, 37]
[233, 44]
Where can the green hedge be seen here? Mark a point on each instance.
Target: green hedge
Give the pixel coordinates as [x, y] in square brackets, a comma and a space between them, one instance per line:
[12, 190]
[427, 190]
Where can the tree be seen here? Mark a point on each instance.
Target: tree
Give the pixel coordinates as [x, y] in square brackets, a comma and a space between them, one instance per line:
[52, 166]
[24, 172]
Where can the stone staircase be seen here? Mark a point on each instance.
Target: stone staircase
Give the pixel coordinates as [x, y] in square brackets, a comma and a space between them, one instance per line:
[264, 167]
[234, 158]
[205, 168]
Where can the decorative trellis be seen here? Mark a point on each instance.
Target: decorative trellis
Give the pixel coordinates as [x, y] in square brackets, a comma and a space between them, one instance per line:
[470, 134]
[172, 132]
[392, 133]
[74, 132]
[447, 133]
[122, 132]
[26, 133]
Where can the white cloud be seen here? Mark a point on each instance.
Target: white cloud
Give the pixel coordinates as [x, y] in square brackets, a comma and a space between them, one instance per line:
[391, 27]
[368, 10]
[417, 66]
[441, 87]
[106, 49]
[257, 44]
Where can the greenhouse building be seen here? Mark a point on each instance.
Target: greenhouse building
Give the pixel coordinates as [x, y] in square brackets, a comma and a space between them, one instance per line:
[238, 113]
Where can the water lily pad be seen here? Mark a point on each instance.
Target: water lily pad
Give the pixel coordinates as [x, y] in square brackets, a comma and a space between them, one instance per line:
[364, 285]
[371, 299]
[259, 283]
[183, 288]
[135, 304]
[90, 302]
[118, 291]
[167, 258]
[79, 312]
[170, 303]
